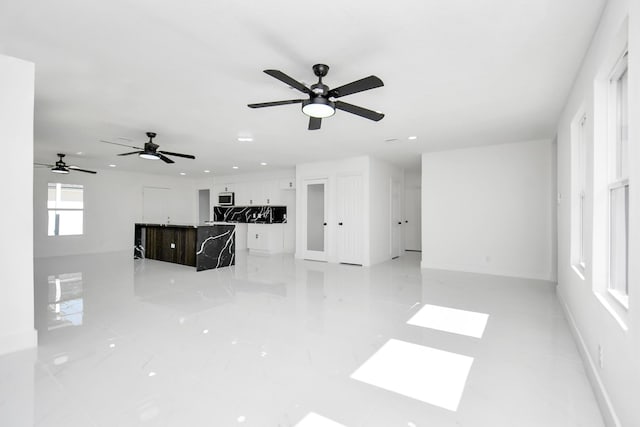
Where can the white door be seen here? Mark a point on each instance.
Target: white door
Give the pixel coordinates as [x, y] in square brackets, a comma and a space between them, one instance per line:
[396, 219]
[315, 231]
[413, 224]
[349, 211]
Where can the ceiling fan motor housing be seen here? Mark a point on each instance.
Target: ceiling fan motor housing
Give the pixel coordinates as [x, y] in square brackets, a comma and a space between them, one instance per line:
[320, 70]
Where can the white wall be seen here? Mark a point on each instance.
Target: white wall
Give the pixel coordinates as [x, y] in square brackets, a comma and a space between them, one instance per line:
[489, 210]
[331, 170]
[381, 222]
[16, 137]
[113, 202]
[287, 197]
[617, 383]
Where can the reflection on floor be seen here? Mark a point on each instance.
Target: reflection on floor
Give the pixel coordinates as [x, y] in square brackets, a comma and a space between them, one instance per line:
[273, 341]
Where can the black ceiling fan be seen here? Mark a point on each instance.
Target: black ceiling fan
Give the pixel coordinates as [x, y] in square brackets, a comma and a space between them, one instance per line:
[150, 150]
[61, 167]
[321, 102]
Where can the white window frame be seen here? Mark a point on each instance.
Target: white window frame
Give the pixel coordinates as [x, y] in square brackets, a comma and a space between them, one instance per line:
[58, 206]
[579, 145]
[617, 179]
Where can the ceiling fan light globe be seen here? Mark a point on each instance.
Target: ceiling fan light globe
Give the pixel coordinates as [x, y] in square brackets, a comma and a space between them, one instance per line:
[318, 107]
[59, 170]
[149, 156]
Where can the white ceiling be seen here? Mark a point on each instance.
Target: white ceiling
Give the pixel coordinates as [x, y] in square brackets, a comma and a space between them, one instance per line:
[457, 73]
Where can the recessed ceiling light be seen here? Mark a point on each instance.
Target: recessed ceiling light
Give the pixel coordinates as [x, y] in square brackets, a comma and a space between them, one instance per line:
[79, 153]
[263, 164]
[152, 374]
[182, 173]
[413, 137]
[235, 167]
[245, 139]
[392, 140]
[207, 171]
[112, 166]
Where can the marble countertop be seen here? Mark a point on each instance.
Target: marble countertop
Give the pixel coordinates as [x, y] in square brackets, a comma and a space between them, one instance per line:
[145, 224]
[208, 224]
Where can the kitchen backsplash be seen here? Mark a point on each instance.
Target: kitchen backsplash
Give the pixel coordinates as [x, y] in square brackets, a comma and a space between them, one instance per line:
[251, 214]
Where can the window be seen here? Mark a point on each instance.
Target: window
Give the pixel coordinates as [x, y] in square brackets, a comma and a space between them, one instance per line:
[578, 191]
[65, 206]
[618, 182]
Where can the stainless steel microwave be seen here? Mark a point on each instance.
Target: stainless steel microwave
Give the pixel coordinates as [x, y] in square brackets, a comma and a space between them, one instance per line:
[226, 199]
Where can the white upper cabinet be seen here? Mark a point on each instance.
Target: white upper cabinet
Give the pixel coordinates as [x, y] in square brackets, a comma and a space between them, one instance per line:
[288, 184]
[242, 193]
[271, 193]
[256, 193]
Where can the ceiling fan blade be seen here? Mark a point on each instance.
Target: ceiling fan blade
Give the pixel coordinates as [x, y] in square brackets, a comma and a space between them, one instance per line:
[359, 111]
[186, 156]
[123, 145]
[44, 164]
[314, 123]
[288, 80]
[128, 154]
[273, 104]
[165, 158]
[75, 168]
[361, 85]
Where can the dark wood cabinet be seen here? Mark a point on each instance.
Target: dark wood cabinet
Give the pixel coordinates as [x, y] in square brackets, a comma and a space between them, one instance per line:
[171, 244]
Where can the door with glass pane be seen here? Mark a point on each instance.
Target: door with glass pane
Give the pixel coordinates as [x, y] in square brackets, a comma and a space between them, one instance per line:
[315, 231]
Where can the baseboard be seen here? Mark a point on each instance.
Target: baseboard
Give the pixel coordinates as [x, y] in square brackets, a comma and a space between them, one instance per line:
[17, 342]
[604, 402]
[548, 278]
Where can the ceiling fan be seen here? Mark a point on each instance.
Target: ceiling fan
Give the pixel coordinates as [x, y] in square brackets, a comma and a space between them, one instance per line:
[321, 102]
[61, 167]
[150, 150]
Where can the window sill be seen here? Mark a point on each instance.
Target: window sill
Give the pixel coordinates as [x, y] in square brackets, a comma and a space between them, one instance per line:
[580, 270]
[613, 308]
[620, 297]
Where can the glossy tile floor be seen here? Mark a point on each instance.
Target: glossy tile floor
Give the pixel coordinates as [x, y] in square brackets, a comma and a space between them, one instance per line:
[277, 342]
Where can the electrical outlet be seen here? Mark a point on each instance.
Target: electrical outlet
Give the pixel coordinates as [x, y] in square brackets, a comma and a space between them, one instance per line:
[600, 357]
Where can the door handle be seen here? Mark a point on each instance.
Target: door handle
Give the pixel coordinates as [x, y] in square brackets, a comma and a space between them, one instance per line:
[339, 223]
[324, 223]
[399, 222]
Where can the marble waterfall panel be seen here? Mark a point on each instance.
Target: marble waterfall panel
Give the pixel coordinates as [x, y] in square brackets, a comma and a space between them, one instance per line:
[251, 214]
[215, 246]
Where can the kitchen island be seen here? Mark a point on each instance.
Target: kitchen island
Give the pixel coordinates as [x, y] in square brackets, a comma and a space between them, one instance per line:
[201, 246]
